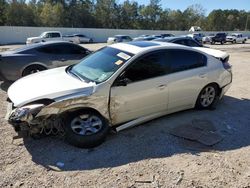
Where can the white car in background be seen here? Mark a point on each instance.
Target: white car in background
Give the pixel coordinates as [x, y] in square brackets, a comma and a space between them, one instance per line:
[117, 87]
[208, 38]
[119, 38]
[52, 36]
[82, 38]
[236, 38]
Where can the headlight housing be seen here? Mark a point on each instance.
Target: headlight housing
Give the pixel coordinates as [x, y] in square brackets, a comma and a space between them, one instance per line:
[25, 113]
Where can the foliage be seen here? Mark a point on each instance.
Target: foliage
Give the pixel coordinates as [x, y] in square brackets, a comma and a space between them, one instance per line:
[111, 14]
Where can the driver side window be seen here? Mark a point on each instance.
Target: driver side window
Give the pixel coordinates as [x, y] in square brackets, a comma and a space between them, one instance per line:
[149, 66]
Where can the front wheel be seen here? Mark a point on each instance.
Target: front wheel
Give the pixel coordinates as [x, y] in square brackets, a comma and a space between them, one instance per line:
[85, 129]
[207, 97]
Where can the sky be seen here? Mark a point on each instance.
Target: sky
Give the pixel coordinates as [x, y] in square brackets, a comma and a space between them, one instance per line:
[209, 5]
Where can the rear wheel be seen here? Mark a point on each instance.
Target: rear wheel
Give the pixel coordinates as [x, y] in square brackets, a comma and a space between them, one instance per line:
[243, 42]
[85, 129]
[33, 69]
[207, 96]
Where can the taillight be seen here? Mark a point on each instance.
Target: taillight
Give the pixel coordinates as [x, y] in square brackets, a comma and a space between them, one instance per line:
[225, 63]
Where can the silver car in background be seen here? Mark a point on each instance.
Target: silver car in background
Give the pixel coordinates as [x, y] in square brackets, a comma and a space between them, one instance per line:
[119, 38]
[82, 38]
[38, 57]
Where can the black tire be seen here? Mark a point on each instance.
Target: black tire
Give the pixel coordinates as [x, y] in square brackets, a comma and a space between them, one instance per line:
[200, 102]
[234, 41]
[243, 42]
[212, 42]
[33, 69]
[91, 41]
[222, 42]
[74, 136]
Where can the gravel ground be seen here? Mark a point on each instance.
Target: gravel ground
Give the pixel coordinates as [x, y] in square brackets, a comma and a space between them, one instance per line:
[144, 156]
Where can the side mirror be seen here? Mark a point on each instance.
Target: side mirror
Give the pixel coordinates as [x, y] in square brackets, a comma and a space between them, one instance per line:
[122, 82]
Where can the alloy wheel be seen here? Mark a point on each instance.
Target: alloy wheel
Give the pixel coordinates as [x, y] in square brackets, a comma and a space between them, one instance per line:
[86, 124]
[207, 96]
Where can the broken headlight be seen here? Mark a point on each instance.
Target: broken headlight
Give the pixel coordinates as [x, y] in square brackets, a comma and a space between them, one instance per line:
[25, 113]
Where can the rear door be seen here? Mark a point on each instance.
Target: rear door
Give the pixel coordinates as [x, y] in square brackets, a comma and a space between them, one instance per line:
[188, 76]
[146, 92]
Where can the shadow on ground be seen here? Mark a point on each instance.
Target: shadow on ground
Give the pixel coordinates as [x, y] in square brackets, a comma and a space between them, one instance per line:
[148, 141]
[5, 85]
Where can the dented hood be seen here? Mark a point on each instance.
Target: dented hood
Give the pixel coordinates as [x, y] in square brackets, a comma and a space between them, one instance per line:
[213, 52]
[50, 84]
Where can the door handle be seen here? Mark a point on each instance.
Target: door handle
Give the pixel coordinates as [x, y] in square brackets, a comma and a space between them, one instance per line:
[162, 86]
[203, 75]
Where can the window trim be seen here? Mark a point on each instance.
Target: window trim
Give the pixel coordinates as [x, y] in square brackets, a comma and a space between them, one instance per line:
[133, 62]
[159, 50]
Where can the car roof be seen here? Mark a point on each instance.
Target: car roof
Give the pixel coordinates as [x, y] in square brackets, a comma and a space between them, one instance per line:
[121, 36]
[236, 33]
[36, 45]
[136, 47]
[172, 38]
[51, 31]
[221, 33]
[78, 34]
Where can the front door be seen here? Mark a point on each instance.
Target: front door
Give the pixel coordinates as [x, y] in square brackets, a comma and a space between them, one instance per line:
[146, 91]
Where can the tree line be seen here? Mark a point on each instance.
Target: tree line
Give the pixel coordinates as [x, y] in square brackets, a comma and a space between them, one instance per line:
[111, 14]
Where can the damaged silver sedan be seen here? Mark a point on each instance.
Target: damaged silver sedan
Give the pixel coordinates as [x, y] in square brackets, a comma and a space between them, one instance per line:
[117, 87]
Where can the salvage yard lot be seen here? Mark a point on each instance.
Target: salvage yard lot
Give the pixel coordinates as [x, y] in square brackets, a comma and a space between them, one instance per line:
[144, 156]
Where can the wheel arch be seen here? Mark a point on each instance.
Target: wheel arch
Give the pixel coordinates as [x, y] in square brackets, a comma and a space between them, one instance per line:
[216, 84]
[33, 64]
[219, 90]
[90, 109]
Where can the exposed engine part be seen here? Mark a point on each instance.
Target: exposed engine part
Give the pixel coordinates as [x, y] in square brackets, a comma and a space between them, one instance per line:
[52, 126]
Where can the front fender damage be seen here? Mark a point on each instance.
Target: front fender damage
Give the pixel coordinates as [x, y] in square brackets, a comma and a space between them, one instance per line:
[40, 118]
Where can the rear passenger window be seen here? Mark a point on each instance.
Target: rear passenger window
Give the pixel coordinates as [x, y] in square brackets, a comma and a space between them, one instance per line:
[191, 43]
[181, 60]
[55, 35]
[182, 42]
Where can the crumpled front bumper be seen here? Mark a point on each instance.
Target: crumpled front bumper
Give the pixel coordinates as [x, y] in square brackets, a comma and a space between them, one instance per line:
[21, 118]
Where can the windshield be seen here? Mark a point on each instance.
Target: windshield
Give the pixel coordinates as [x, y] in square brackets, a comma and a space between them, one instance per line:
[42, 35]
[101, 65]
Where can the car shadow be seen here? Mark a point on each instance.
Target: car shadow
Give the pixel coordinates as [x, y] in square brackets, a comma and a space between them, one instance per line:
[149, 141]
[4, 85]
